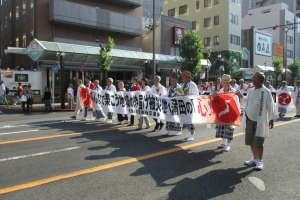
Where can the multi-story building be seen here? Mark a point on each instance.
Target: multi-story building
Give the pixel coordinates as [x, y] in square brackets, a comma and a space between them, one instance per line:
[217, 22]
[278, 21]
[74, 22]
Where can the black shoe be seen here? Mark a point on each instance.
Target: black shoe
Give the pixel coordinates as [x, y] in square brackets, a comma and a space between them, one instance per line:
[155, 130]
[138, 129]
[73, 117]
[161, 125]
[130, 125]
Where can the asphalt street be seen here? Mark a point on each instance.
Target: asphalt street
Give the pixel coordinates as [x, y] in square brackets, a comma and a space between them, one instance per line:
[49, 156]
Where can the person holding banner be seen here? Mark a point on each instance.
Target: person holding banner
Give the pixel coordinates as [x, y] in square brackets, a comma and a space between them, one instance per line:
[297, 104]
[174, 91]
[144, 88]
[226, 131]
[189, 88]
[258, 118]
[78, 102]
[282, 110]
[159, 89]
[97, 110]
[122, 117]
[134, 87]
[110, 87]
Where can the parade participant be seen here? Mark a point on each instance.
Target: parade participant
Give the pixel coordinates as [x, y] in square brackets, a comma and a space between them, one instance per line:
[201, 87]
[159, 89]
[281, 110]
[218, 85]
[258, 118]
[242, 87]
[173, 92]
[210, 89]
[297, 104]
[226, 131]
[189, 88]
[110, 87]
[134, 87]
[47, 98]
[78, 102]
[90, 86]
[121, 117]
[70, 93]
[272, 89]
[145, 88]
[97, 114]
[233, 84]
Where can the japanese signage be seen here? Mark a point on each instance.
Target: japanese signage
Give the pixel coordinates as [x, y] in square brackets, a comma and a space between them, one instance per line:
[263, 44]
[277, 50]
[220, 109]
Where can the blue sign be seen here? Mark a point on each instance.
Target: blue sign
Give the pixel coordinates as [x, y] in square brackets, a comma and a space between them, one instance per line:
[82, 67]
[54, 68]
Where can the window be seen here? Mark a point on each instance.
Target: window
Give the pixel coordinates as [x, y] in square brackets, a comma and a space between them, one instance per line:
[207, 22]
[216, 40]
[182, 9]
[290, 39]
[207, 3]
[17, 42]
[24, 7]
[216, 2]
[194, 25]
[207, 41]
[197, 5]
[234, 19]
[24, 40]
[31, 4]
[289, 54]
[216, 20]
[235, 39]
[171, 12]
[17, 12]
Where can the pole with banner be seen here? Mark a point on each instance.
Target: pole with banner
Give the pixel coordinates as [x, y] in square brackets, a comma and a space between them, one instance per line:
[54, 70]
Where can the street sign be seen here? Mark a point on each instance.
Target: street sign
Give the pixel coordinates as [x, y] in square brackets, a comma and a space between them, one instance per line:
[35, 50]
[54, 68]
[82, 67]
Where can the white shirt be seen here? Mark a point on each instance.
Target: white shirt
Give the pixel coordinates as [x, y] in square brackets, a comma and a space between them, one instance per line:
[2, 89]
[145, 88]
[70, 92]
[98, 88]
[111, 88]
[161, 89]
[253, 104]
[192, 87]
[243, 88]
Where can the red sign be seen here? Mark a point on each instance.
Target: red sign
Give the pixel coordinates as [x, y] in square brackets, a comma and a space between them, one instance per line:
[284, 99]
[82, 67]
[178, 34]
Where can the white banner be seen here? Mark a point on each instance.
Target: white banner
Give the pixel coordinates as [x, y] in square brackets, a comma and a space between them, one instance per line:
[286, 99]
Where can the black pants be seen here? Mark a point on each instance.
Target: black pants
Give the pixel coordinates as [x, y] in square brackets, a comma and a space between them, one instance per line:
[158, 125]
[132, 119]
[27, 106]
[122, 117]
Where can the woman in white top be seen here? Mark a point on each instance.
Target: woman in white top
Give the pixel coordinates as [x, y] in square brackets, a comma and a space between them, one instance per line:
[110, 87]
[144, 88]
[97, 113]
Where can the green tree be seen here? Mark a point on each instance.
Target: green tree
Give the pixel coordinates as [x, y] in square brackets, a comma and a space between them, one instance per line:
[278, 69]
[105, 59]
[295, 69]
[191, 52]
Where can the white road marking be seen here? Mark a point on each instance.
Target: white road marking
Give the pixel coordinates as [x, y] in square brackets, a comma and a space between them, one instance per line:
[258, 183]
[22, 125]
[18, 132]
[38, 154]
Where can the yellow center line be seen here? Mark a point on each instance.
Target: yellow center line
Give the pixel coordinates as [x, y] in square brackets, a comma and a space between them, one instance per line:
[115, 164]
[62, 135]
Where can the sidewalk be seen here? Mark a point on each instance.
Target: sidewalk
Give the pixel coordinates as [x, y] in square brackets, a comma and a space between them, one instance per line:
[36, 108]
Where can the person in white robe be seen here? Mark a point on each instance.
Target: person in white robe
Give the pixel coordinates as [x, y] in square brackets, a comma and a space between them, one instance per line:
[79, 105]
[110, 87]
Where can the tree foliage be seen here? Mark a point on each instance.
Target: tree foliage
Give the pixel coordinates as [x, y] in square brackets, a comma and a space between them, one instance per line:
[105, 59]
[278, 68]
[295, 69]
[191, 52]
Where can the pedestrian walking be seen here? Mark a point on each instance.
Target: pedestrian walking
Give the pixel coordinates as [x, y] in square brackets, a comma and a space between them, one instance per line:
[110, 87]
[3, 94]
[19, 92]
[25, 100]
[144, 88]
[47, 99]
[258, 118]
[159, 89]
[89, 86]
[70, 93]
[97, 110]
[297, 104]
[226, 131]
[189, 88]
[78, 102]
[30, 96]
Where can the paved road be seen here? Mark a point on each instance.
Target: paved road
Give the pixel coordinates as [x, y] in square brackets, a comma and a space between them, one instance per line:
[48, 156]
